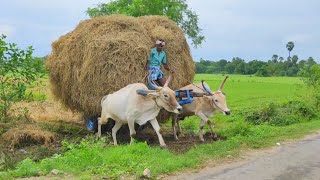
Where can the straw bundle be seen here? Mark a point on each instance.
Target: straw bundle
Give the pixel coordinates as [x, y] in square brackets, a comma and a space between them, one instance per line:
[103, 54]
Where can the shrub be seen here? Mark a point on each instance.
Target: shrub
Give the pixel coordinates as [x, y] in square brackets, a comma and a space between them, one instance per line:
[239, 128]
[280, 115]
[261, 115]
[17, 70]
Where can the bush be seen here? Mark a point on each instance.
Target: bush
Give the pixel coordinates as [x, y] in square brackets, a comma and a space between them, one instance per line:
[17, 70]
[239, 128]
[311, 75]
[281, 115]
[261, 115]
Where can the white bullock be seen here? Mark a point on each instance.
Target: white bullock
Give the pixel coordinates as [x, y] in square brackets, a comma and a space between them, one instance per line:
[204, 107]
[125, 106]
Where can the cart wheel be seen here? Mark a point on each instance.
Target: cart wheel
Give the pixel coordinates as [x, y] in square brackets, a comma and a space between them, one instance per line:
[92, 124]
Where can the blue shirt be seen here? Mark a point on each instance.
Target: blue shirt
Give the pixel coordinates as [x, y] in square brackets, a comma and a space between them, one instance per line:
[156, 58]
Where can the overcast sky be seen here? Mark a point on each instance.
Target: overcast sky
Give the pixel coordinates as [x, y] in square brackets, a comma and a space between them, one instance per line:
[247, 29]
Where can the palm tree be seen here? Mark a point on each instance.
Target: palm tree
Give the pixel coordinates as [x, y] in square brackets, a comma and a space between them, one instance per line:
[290, 46]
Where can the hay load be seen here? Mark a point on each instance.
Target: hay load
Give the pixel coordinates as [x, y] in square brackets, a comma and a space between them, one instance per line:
[103, 54]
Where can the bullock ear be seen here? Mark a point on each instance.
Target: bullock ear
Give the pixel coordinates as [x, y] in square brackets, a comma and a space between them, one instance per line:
[207, 98]
[153, 94]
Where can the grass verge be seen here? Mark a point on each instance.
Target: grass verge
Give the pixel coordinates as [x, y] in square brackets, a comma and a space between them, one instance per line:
[96, 158]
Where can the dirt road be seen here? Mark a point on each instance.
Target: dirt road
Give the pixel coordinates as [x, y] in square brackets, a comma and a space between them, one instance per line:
[292, 161]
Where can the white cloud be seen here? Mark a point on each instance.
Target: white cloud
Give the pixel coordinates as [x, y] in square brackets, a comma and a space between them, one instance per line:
[298, 38]
[256, 29]
[69, 4]
[244, 28]
[8, 30]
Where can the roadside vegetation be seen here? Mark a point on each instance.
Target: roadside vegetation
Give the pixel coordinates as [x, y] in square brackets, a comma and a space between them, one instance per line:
[18, 70]
[271, 102]
[264, 111]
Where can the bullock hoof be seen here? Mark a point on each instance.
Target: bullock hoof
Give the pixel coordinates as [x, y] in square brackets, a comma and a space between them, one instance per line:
[164, 146]
[201, 139]
[98, 135]
[132, 141]
[133, 136]
[214, 136]
[176, 138]
[178, 133]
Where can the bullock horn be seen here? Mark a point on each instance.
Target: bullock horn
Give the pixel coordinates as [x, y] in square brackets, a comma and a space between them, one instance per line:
[152, 84]
[222, 84]
[206, 88]
[167, 82]
[156, 87]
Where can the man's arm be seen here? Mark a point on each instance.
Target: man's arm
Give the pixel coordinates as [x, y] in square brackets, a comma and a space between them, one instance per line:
[147, 65]
[148, 61]
[166, 67]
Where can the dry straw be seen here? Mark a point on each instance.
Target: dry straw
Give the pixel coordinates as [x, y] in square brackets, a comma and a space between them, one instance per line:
[103, 54]
[25, 135]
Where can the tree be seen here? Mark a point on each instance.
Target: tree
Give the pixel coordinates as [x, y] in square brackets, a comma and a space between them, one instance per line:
[310, 62]
[253, 66]
[292, 71]
[240, 68]
[221, 64]
[263, 72]
[290, 46]
[281, 59]
[176, 10]
[230, 67]
[200, 68]
[294, 59]
[17, 70]
[312, 75]
[275, 58]
[301, 64]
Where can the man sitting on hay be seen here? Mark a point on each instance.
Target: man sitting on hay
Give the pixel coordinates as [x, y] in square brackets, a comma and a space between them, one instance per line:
[157, 58]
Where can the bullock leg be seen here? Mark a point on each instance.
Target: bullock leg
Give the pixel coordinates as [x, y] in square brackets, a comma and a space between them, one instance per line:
[99, 127]
[156, 127]
[101, 120]
[214, 135]
[174, 122]
[179, 128]
[200, 129]
[132, 130]
[115, 129]
[204, 119]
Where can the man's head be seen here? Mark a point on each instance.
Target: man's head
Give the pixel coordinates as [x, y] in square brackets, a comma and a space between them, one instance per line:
[160, 44]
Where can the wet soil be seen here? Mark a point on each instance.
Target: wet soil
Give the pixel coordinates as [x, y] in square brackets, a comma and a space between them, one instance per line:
[147, 134]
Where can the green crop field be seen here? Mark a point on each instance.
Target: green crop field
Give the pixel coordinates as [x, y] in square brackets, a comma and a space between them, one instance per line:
[94, 158]
[250, 91]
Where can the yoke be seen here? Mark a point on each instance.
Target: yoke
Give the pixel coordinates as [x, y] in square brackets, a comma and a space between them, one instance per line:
[183, 96]
[188, 94]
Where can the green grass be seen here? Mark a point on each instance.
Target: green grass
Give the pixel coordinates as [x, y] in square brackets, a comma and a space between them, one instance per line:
[250, 91]
[97, 158]
[37, 91]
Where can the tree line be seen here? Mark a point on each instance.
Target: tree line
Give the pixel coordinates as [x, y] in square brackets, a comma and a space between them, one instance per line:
[277, 66]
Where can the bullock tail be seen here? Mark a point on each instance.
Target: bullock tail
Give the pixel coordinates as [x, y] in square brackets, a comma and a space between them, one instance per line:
[103, 98]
